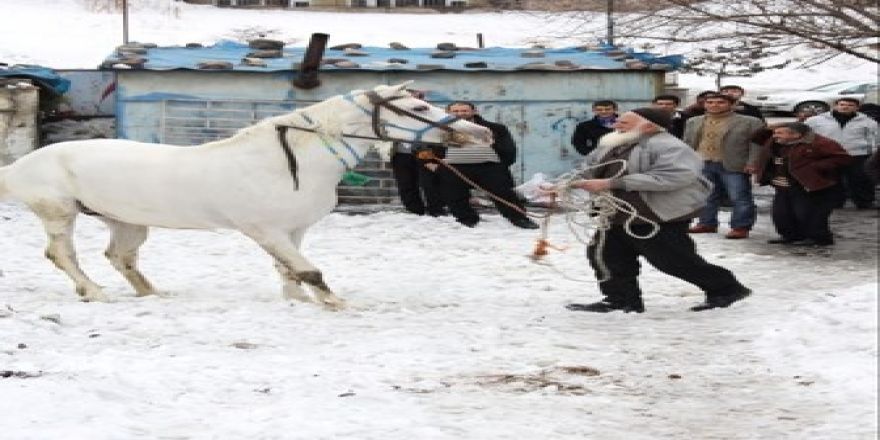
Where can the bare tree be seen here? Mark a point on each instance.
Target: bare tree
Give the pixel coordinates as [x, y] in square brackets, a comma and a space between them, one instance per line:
[829, 27]
[746, 58]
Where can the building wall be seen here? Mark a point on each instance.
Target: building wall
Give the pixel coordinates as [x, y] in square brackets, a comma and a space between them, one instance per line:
[19, 106]
[540, 108]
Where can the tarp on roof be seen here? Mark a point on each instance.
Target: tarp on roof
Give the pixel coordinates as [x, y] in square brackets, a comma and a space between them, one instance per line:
[377, 58]
[42, 76]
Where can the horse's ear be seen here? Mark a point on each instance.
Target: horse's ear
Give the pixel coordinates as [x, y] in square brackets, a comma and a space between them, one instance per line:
[393, 90]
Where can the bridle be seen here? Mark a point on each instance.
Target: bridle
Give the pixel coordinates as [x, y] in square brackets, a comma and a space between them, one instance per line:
[380, 129]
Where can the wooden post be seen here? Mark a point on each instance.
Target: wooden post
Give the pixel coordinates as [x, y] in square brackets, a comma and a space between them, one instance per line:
[480, 41]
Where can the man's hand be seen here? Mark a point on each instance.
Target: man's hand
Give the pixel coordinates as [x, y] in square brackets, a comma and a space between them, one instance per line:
[592, 185]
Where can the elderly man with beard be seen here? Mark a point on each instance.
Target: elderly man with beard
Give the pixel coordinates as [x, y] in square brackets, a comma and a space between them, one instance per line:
[663, 181]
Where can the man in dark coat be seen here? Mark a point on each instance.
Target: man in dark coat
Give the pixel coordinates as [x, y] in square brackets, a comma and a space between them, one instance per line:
[488, 167]
[586, 134]
[737, 92]
[670, 104]
[804, 169]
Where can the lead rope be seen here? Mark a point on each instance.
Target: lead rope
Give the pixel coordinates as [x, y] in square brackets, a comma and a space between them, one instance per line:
[592, 214]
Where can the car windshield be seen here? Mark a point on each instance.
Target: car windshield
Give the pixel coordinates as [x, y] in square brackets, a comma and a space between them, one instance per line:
[829, 87]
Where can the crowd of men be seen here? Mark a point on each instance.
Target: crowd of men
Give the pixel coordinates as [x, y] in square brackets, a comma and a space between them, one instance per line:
[682, 164]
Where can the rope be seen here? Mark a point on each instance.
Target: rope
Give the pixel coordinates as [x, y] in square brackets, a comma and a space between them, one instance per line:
[592, 214]
[589, 215]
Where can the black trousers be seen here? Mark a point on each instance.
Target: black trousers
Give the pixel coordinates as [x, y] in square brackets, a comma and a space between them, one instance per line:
[799, 214]
[671, 250]
[493, 177]
[858, 185]
[416, 185]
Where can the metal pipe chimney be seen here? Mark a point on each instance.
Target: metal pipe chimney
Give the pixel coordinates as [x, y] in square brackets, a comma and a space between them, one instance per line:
[311, 62]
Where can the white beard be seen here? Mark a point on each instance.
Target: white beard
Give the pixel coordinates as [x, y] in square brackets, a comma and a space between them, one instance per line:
[617, 138]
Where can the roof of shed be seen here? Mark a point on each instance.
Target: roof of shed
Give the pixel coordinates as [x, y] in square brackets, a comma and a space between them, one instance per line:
[230, 55]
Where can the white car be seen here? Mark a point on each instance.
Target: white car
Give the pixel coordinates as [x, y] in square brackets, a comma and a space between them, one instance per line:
[818, 99]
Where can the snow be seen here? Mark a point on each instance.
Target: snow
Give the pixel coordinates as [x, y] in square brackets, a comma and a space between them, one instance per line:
[451, 333]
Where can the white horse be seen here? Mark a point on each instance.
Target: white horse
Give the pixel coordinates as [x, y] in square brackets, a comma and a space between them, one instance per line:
[270, 181]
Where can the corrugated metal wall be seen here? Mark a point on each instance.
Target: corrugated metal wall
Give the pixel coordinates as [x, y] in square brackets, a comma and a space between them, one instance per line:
[540, 108]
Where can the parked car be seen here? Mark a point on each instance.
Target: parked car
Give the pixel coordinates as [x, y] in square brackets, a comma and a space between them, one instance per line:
[818, 99]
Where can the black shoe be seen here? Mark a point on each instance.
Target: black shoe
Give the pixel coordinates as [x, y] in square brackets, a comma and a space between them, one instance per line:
[605, 307]
[721, 301]
[809, 242]
[469, 223]
[783, 240]
[524, 222]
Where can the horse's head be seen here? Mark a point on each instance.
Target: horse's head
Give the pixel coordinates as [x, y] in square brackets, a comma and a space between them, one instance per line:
[397, 115]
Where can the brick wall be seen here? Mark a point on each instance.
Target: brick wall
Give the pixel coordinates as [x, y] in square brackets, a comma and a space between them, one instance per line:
[379, 190]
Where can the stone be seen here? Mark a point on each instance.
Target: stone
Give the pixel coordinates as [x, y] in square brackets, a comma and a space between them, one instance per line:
[532, 54]
[265, 44]
[397, 46]
[354, 53]
[398, 61]
[256, 62]
[565, 63]
[443, 54]
[446, 46]
[265, 54]
[476, 65]
[635, 64]
[215, 65]
[345, 64]
[194, 45]
[53, 317]
[347, 46]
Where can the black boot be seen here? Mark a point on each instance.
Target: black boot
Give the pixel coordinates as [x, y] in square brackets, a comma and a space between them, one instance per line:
[606, 306]
[721, 301]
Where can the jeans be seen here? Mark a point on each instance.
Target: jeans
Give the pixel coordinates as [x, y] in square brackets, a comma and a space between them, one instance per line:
[738, 187]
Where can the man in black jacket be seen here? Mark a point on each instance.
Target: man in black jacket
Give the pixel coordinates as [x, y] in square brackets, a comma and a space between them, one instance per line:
[737, 92]
[488, 167]
[670, 104]
[586, 134]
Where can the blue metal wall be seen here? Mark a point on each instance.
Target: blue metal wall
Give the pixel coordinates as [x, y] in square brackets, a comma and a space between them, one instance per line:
[540, 108]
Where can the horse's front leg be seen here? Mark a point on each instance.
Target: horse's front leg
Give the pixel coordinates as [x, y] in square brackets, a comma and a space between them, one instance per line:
[296, 269]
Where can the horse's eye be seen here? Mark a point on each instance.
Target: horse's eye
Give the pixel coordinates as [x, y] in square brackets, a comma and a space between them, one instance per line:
[420, 108]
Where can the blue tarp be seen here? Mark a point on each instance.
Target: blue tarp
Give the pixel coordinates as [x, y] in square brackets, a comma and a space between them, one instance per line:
[495, 58]
[42, 76]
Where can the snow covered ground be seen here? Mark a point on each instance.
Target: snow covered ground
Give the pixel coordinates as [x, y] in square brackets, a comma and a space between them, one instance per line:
[451, 333]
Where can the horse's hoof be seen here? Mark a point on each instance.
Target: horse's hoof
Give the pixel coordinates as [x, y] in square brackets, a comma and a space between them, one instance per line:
[95, 297]
[334, 305]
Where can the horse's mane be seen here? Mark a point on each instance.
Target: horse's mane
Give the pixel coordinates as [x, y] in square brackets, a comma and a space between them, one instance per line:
[325, 113]
[322, 111]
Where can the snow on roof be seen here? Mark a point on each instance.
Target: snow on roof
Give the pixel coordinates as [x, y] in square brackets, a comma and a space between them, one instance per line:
[230, 55]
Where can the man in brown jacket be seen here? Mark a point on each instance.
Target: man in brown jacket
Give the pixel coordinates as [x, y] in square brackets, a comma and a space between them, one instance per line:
[724, 140]
[804, 169]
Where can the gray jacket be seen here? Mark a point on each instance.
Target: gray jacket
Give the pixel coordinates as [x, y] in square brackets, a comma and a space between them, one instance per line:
[858, 137]
[666, 172]
[737, 147]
